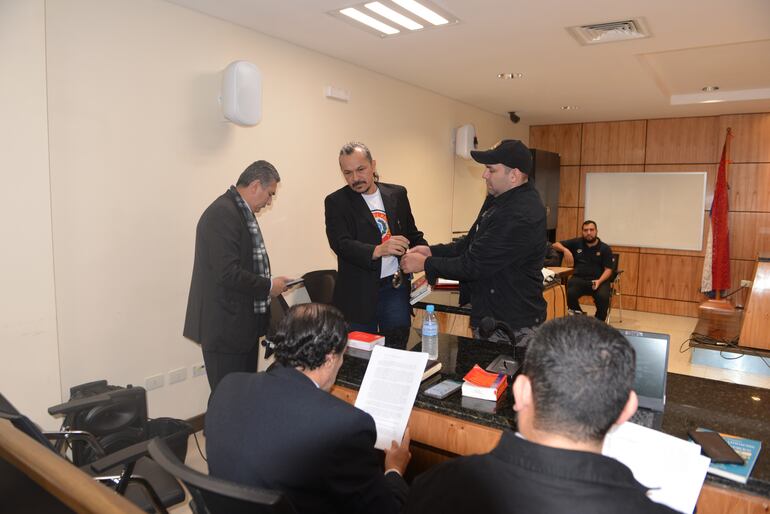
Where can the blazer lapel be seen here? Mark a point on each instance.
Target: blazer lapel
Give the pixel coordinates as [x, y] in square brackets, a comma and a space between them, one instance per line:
[390, 202]
[360, 209]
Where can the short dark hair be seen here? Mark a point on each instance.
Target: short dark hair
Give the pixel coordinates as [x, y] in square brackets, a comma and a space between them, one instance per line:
[589, 222]
[259, 170]
[581, 371]
[352, 146]
[308, 333]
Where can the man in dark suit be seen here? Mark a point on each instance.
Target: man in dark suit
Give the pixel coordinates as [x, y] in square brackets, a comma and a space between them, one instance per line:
[369, 226]
[231, 287]
[576, 383]
[283, 430]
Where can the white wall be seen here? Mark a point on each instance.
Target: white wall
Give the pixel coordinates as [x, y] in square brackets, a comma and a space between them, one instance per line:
[138, 150]
[29, 361]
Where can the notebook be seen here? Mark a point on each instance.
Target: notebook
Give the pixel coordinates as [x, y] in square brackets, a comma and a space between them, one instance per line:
[651, 371]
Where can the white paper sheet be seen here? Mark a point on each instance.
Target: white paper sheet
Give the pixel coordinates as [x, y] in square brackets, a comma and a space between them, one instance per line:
[672, 468]
[388, 391]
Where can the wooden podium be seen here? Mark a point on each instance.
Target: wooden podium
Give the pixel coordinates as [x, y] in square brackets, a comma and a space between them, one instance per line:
[755, 329]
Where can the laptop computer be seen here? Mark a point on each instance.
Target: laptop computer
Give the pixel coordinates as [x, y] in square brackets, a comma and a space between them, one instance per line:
[651, 371]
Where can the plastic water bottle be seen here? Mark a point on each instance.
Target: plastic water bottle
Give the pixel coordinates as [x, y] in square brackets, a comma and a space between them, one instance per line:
[430, 333]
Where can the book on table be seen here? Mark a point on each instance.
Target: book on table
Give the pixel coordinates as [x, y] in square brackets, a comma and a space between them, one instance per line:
[431, 368]
[481, 384]
[748, 449]
[364, 340]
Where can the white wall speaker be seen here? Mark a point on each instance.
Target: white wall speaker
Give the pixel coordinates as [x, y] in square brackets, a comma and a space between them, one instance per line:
[465, 141]
[242, 93]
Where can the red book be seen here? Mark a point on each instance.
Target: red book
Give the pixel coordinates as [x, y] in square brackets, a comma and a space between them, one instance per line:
[364, 340]
[484, 385]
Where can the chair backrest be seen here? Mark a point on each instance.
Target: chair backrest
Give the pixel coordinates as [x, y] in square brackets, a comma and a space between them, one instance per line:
[213, 495]
[278, 310]
[320, 285]
[615, 262]
[23, 423]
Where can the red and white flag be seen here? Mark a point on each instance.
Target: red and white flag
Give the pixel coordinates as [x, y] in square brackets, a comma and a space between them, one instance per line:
[716, 267]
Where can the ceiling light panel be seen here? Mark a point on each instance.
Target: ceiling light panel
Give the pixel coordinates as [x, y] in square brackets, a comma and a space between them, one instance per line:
[385, 17]
[387, 12]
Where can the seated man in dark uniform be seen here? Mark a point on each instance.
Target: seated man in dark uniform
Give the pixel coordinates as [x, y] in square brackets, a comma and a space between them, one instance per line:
[593, 268]
[282, 430]
[576, 383]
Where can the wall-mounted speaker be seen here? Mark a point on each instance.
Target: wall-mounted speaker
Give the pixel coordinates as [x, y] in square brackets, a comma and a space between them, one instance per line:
[465, 141]
[242, 93]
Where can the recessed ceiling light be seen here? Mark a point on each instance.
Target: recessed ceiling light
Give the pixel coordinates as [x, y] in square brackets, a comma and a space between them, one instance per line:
[422, 11]
[709, 89]
[569, 107]
[368, 20]
[387, 12]
[510, 75]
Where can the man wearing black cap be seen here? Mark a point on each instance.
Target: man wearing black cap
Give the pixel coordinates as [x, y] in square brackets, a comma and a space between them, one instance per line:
[501, 258]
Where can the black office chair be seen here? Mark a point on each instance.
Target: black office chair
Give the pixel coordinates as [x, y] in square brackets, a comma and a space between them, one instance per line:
[210, 495]
[320, 285]
[128, 471]
[615, 287]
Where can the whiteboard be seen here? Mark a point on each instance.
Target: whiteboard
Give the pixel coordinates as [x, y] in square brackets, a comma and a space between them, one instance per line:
[650, 210]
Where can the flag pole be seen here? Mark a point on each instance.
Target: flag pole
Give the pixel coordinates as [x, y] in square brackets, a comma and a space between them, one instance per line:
[718, 304]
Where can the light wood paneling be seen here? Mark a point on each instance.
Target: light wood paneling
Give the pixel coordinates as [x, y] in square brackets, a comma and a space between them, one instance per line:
[717, 499]
[749, 234]
[710, 169]
[751, 137]
[629, 263]
[629, 304]
[615, 142]
[580, 219]
[683, 140]
[741, 270]
[566, 223]
[569, 186]
[673, 307]
[562, 139]
[671, 277]
[625, 249]
[618, 168]
[749, 187]
[756, 319]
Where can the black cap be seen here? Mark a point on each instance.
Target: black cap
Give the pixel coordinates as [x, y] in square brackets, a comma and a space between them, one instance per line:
[510, 152]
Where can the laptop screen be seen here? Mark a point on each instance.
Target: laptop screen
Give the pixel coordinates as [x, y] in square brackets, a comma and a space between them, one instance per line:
[651, 367]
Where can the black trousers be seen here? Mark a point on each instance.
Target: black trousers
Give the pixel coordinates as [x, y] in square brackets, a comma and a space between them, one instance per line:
[577, 287]
[220, 364]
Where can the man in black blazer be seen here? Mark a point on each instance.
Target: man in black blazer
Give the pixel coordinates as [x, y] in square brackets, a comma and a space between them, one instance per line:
[282, 429]
[576, 383]
[369, 226]
[229, 301]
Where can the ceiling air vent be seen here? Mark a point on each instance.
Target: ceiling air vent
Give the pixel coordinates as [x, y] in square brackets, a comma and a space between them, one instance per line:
[610, 31]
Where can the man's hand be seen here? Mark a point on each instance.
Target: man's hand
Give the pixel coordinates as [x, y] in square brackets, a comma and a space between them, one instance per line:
[396, 245]
[279, 286]
[398, 456]
[422, 250]
[595, 284]
[413, 262]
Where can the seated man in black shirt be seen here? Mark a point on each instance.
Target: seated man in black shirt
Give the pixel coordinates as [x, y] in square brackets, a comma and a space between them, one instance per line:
[576, 383]
[593, 268]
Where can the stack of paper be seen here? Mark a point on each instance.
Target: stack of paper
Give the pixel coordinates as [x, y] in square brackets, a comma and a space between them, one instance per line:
[673, 469]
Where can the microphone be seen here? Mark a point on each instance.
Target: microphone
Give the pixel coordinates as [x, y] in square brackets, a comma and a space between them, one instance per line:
[489, 324]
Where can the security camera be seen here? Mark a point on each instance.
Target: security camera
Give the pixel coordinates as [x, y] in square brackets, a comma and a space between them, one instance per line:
[514, 117]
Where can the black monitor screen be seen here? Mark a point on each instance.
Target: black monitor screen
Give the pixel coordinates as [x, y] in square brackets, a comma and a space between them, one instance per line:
[651, 367]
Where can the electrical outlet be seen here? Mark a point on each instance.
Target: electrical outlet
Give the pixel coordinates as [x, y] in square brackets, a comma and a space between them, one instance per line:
[745, 283]
[154, 382]
[198, 370]
[177, 375]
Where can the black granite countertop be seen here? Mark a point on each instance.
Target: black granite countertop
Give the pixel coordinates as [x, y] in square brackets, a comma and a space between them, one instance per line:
[691, 402]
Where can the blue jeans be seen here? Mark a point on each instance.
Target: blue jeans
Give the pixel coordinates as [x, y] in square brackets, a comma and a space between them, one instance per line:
[393, 309]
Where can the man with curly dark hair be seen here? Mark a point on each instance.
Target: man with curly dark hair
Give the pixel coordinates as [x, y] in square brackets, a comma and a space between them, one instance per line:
[282, 430]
